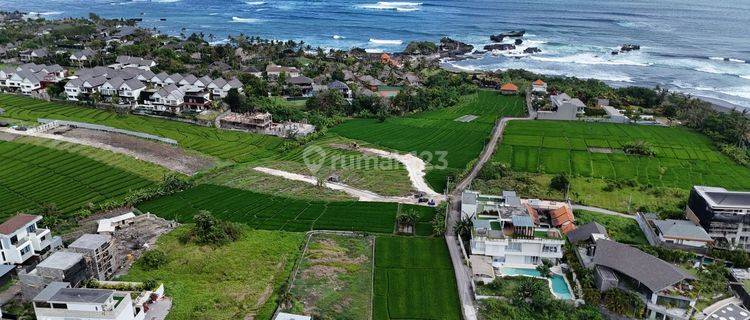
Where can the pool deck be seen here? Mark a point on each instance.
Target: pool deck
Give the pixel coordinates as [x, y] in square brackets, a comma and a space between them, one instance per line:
[556, 270]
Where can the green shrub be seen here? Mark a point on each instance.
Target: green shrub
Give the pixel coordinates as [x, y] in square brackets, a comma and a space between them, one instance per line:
[153, 259]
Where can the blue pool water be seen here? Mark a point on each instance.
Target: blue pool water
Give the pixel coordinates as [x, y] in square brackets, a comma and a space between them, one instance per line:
[559, 286]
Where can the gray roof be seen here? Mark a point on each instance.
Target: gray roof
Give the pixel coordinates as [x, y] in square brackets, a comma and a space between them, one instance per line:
[219, 82]
[162, 76]
[90, 241]
[81, 295]
[521, 221]
[176, 77]
[61, 260]
[681, 229]
[50, 290]
[338, 85]
[299, 80]
[652, 272]
[511, 198]
[95, 82]
[81, 53]
[234, 83]
[469, 197]
[135, 84]
[116, 82]
[584, 232]
[730, 311]
[190, 79]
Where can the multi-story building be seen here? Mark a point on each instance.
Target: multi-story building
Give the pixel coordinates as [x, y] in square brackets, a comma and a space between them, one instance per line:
[725, 215]
[98, 253]
[60, 266]
[509, 231]
[21, 238]
[59, 301]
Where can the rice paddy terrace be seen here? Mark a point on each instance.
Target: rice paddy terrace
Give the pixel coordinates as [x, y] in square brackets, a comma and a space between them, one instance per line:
[683, 158]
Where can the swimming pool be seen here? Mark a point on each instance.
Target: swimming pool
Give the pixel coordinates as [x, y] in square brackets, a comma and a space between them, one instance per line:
[557, 283]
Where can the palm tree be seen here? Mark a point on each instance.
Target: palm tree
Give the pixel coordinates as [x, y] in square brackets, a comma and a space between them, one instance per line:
[463, 227]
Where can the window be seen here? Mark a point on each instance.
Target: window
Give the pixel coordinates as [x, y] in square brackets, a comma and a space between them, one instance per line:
[514, 247]
[31, 229]
[59, 306]
[549, 249]
[40, 304]
[25, 250]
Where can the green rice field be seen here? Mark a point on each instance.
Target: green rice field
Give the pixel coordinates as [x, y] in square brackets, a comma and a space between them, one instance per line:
[223, 144]
[683, 158]
[414, 279]
[270, 212]
[437, 131]
[31, 176]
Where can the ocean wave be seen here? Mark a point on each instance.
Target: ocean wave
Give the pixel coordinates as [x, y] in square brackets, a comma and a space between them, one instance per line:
[374, 50]
[165, 1]
[386, 42]
[255, 3]
[396, 6]
[48, 13]
[338, 37]
[727, 59]
[745, 77]
[245, 20]
[591, 59]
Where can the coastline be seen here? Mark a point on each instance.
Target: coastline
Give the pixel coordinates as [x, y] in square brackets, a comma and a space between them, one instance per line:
[716, 104]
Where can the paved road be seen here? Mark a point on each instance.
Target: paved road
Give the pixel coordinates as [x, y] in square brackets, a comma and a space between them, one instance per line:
[603, 211]
[463, 274]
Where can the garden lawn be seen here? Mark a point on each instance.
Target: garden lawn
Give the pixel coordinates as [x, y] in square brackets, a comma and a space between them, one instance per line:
[334, 280]
[414, 279]
[619, 229]
[437, 131]
[683, 158]
[31, 176]
[229, 282]
[262, 211]
[227, 145]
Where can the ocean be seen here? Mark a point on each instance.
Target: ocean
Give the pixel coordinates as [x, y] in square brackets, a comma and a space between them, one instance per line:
[697, 47]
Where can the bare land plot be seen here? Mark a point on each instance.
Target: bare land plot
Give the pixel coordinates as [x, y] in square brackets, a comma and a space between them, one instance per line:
[334, 279]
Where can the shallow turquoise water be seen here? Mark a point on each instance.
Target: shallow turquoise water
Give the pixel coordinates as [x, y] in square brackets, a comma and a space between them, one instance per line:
[559, 286]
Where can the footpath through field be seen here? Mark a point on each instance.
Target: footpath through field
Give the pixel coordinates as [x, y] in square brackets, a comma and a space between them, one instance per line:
[463, 274]
[361, 195]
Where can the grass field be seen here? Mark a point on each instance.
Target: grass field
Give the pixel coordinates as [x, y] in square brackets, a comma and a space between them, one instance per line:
[334, 280]
[31, 176]
[126, 163]
[229, 282]
[434, 131]
[414, 280]
[683, 158]
[270, 212]
[619, 229]
[223, 144]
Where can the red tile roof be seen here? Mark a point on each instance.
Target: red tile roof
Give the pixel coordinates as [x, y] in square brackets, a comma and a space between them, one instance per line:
[16, 222]
[539, 82]
[567, 227]
[508, 87]
[561, 215]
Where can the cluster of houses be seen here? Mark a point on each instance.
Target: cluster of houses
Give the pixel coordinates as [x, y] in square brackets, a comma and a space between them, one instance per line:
[30, 77]
[512, 236]
[52, 277]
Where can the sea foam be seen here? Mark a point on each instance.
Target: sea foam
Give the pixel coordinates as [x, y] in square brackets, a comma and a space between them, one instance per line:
[386, 42]
[245, 20]
[396, 6]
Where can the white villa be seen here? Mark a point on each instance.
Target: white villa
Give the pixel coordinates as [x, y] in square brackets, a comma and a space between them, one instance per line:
[21, 238]
[510, 231]
[59, 301]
